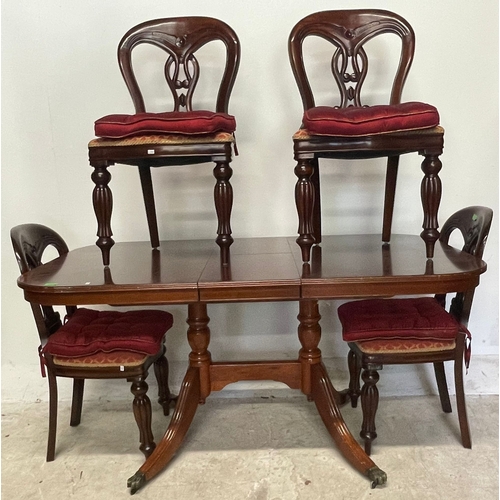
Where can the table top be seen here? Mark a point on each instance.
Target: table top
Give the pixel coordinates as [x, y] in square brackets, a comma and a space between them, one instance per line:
[261, 269]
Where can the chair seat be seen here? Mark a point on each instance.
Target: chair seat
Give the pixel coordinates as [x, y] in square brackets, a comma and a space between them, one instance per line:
[362, 121]
[163, 139]
[419, 318]
[175, 122]
[88, 332]
[103, 360]
[404, 346]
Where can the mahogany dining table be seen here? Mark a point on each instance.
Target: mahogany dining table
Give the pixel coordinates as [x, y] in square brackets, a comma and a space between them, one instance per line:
[259, 270]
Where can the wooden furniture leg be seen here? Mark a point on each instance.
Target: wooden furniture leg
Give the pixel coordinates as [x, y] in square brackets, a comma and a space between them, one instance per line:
[369, 404]
[391, 178]
[354, 374]
[165, 398]
[442, 386]
[431, 198]
[149, 204]
[103, 206]
[195, 388]
[223, 197]
[316, 384]
[77, 402]
[304, 200]
[142, 414]
[51, 445]
[460, 394]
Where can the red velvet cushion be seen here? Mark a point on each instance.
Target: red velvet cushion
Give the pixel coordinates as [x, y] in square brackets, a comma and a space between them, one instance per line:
[356, 121]
[88, 331]
[189, 122]
[418, 318]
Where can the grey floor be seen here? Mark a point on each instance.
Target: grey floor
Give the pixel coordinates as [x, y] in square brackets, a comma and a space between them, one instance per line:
[260, 448]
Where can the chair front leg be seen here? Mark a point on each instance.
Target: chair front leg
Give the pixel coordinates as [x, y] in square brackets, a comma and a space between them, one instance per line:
[223, 197]
[369, 404]
[142, 414]
[103, 205]
[431, 198]
[304, 200]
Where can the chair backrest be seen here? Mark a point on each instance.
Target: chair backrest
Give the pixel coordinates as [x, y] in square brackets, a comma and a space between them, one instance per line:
[474, 223]
[30, 242]
[348, 31]
[180, 38]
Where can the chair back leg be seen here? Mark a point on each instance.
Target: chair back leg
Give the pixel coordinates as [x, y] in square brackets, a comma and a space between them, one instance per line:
[149, 204]
[391, 177]
[165, 398]
[353, 362]
[77, 402]
[460, 394]
[51, 444]
[442, 386]
[142, 414]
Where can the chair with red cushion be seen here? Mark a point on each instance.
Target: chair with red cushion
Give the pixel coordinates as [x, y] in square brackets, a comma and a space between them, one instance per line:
[92, 344]
[186, 135]
[414, 330]
[351, 130]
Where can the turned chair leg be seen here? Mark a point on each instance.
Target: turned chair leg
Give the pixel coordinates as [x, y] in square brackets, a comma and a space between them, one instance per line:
[51, 444]
[369, 405]
[223, 199]
[142, 414]
[460, 394]
[77, 402]
[165, 398]
[442, 386]
[354, 374]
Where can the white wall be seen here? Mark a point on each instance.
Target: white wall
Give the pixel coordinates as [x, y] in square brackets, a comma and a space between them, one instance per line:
[60, 74]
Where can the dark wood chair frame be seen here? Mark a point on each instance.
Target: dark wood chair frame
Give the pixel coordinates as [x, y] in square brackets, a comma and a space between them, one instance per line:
[29, 242]
[180, 38]
[474, 223]
[348, 31]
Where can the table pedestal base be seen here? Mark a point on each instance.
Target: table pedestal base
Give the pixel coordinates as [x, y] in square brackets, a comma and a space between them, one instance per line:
[308, 374]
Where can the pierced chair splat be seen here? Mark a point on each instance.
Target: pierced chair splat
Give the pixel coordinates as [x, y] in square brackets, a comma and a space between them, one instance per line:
[183, 136]
[353, 131]
[93, 344]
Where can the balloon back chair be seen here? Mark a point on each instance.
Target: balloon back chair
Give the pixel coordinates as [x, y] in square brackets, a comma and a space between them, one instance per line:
[91, 344]
[414, 330]
[182, 136]
[351, 130]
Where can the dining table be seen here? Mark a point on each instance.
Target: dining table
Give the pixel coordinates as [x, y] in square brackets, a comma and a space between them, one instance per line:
[191, 272]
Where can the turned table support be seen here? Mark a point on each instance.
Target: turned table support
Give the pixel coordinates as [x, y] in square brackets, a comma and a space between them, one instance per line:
[316, 384]
[195, 388]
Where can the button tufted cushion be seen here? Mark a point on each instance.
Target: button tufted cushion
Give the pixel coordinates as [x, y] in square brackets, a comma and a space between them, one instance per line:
[362, 121]
[415, 318]
[88, 332]
[175, 122]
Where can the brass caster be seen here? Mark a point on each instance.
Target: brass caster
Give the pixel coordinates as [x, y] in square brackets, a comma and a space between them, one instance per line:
[377, 476]
[137, 481]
